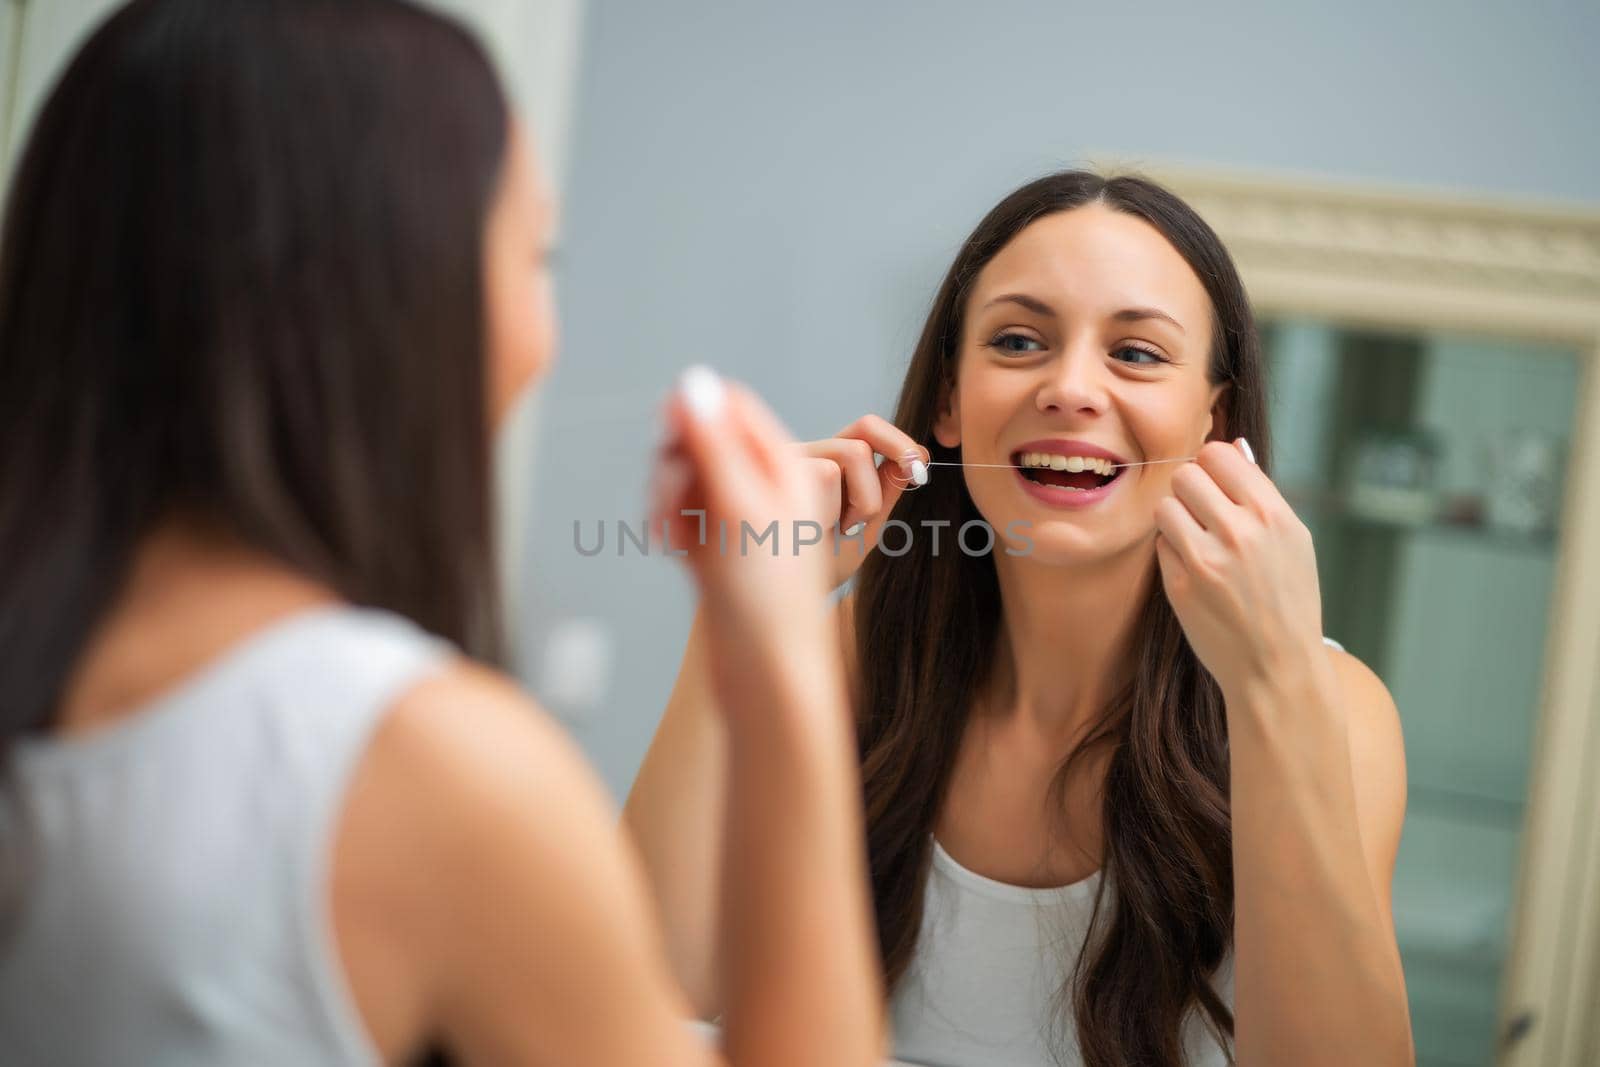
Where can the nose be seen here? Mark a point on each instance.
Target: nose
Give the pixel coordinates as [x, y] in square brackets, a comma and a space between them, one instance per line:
[1074, 383]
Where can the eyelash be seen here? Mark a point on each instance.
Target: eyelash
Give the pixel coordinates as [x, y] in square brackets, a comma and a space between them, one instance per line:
[995, 343]
[1159, 358]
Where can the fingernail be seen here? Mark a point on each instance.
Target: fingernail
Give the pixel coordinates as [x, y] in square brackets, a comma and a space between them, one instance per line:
[855, 529]
[919, 472]
[703, 392]
[1244, 446]
[908, 463]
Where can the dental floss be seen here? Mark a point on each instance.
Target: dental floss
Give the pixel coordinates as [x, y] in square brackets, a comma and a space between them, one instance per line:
[1018, 466]
[919, 470]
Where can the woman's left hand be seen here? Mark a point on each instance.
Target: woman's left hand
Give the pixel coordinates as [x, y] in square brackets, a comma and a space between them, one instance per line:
[1238, 568]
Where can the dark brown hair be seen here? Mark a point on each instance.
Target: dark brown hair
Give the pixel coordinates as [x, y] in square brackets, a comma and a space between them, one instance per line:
[240, 277]
[1151, 952]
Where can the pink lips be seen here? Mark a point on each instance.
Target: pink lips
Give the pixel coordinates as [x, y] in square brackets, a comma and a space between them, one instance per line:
[1057, 496]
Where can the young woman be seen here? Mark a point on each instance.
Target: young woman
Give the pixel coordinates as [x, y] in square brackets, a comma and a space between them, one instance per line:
[271, 273]
[1124, 804]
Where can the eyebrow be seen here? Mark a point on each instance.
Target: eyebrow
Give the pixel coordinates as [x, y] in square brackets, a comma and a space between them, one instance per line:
[1140, 314]
[1039, 307]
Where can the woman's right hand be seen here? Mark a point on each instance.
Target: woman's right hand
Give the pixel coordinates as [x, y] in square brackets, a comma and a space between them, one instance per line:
[727, 463]
[854, 489]
[781, 852]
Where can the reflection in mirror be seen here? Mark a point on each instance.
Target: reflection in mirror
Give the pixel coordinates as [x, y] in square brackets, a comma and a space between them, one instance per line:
[1429, 468]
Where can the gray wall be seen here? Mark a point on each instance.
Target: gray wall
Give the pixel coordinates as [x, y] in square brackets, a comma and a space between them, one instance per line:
[774, 189]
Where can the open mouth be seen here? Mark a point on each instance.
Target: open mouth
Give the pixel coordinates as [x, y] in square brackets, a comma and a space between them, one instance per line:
[1081, 473]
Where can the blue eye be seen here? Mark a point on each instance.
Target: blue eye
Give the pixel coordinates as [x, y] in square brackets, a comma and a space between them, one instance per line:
[1151, 359]
[1015, 343]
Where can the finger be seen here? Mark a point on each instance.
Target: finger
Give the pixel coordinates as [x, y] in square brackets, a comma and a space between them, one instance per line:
[892, 484]
[669, 482]
[721, 457]
[672, 488]
[827, 482]
[1193, 485]
[1179, 528]
[1244, 483]
[863, 489]
[1173, 572]
[888, 440]
[900, 450]
[769, 441]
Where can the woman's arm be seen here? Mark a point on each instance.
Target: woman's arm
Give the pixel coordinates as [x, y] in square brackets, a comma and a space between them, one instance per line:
[675, 808]
[479, 855]
[483, 899]
[1317, 775]
[674, 815]
[1318, 798]
[797, 964]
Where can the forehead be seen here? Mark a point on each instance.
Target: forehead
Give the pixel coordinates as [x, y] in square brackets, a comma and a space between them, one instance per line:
[1094, 259]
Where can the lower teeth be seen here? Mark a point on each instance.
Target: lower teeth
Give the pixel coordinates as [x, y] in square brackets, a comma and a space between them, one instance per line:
[1074, 488]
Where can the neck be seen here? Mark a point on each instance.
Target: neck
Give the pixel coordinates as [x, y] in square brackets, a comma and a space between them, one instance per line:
[1065, 638]
[191, 591]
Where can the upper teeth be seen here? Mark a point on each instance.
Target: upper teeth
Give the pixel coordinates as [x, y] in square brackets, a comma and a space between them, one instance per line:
[1071, 464]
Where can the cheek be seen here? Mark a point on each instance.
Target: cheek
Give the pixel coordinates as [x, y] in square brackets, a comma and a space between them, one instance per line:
[539, 327]
[1166, 424]
[521, 333]
[989, 403]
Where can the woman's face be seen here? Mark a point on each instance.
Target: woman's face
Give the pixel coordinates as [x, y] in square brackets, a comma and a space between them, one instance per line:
[1087, 335]
[521, 334]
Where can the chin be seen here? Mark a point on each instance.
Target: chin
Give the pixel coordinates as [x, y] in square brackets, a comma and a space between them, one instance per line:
[1063, 543]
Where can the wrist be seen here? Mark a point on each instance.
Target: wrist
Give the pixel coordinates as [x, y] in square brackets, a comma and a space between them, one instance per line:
[779, 673]
[1297, 675]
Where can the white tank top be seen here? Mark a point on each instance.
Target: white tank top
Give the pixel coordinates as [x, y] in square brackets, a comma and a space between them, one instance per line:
[991, 959]
[982, 988]
[175, 909]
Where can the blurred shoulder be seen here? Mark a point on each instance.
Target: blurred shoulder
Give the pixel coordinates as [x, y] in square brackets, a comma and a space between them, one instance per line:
[478, 845]
[475, 733]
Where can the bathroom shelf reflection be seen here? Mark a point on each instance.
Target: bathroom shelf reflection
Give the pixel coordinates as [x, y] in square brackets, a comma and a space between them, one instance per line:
[1326, 503]
[1451, 803]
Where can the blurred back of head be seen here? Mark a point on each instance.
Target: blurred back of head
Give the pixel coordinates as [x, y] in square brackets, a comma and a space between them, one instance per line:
[241, 279]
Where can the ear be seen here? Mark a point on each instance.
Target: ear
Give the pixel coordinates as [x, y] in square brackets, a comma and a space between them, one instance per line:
[947, 425]
[1221, 417]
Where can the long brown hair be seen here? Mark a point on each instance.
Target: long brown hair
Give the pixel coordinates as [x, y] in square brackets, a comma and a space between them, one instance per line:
[1168, 842]
[240, 277]
[241, 280]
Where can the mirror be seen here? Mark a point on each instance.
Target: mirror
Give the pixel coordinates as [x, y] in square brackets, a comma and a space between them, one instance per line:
[1430, 468]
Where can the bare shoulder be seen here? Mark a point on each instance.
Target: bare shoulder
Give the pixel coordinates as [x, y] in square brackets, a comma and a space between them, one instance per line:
[1374, 718]
[478, 730]
[1377, 763]
[468, 771]
[476, 846]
